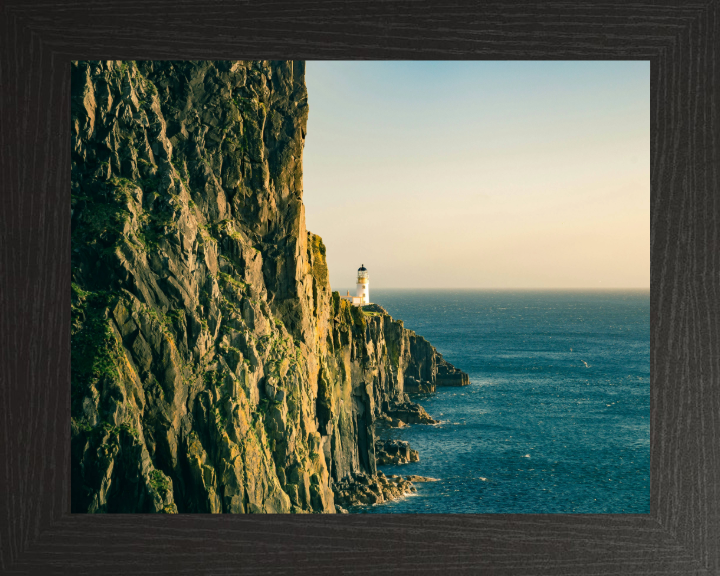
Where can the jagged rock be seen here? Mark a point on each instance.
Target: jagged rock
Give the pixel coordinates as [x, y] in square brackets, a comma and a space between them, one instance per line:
[395, 452]
[213, 370]
[414, 478]
[385, 421]
[414, 386]
[363, 489]
[448, 375]
[409, 412]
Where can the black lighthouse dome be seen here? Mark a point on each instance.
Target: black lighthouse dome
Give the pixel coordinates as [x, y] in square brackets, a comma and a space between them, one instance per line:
[362, 268]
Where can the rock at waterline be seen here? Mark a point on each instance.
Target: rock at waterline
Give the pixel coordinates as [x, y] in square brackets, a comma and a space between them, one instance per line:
[409, 412]
[363, 489]
[395, 452]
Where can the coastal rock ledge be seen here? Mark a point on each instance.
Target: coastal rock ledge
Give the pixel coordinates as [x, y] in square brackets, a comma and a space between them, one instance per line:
[395, 452]
[363, 489]
[213, 370]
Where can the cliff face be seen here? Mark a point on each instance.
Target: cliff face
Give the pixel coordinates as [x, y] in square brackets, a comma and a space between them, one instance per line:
[212, 368]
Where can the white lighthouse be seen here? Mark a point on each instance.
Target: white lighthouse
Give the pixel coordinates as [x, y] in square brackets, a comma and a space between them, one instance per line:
[363, 285]
[362, 296]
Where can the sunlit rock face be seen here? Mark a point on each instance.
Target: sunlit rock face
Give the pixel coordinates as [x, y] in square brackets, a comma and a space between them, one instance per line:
[213, 370]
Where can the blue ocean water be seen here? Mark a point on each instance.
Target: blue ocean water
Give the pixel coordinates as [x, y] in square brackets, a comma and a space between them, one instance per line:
[557, 414]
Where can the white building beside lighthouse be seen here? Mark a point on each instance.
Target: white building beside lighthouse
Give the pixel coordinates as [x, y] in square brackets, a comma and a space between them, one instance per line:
[362, 296]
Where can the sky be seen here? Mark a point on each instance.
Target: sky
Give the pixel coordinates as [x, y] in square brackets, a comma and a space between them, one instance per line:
[480, 174]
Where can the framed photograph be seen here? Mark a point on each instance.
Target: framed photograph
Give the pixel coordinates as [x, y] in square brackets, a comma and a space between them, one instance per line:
[459, 279]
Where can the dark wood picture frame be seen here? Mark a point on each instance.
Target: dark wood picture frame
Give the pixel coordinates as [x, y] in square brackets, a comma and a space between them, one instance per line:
[38, 534]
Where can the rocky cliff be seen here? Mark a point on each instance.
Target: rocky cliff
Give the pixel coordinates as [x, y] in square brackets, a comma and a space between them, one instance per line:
[213, 370]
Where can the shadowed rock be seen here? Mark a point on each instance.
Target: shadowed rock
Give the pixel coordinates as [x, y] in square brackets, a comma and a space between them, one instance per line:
[409, 413]
[395, 452]
[362, 489]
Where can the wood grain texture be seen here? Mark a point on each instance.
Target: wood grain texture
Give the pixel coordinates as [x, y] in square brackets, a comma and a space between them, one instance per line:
[37, 532]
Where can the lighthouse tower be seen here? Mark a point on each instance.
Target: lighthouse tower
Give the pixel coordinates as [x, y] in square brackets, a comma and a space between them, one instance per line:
[363, 285]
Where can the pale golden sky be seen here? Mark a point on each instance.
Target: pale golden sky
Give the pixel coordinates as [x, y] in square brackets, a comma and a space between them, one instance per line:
[481, 174]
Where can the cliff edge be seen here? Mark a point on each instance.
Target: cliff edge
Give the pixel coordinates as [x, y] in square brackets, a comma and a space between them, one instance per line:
[213, 370]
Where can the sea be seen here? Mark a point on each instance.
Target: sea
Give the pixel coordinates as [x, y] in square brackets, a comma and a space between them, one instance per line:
[556, 418]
